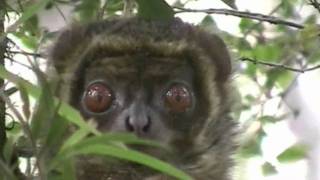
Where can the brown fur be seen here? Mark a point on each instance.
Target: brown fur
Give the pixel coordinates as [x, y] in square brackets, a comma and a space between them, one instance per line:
[205, 146]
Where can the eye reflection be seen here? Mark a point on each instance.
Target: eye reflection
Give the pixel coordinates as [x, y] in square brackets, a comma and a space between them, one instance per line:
[98, 97]
[178, 98]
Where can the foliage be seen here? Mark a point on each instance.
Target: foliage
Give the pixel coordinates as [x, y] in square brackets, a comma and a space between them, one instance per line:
[49, 124]
[278, 46]
[154, 9]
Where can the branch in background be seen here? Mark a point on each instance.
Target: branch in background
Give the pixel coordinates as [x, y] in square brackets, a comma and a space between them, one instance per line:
[243, 14]
[25, 128]
[26, 53]
[18, 115]
[101, 11]
[246, 33]
[17, 62]
[315, 4]
[254, 61]
[3, 48]
[60, 11]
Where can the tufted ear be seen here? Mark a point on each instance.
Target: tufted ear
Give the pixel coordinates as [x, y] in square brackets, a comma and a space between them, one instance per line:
[217, 50]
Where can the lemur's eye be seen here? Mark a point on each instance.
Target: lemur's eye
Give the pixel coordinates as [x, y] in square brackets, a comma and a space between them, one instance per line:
[98, 97]
[178, 98]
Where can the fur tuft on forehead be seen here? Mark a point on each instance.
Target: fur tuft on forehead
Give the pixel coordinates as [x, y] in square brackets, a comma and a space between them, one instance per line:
[136, 36]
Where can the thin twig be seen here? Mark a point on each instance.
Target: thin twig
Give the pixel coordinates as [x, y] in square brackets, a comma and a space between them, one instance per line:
[26, 53]
[23, 123]
[243, 14]
[282, 66]
[101, 11]
[17, 62]
[20, 50]
[245, 34]
[21, 9]
[60, 12]
[41, 40]
[315, 4]
[26, 129]
[3, 48]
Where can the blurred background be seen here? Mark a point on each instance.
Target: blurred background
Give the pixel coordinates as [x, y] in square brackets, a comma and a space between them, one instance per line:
[275, 47]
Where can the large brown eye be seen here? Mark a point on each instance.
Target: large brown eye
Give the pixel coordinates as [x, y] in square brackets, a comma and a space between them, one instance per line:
[178, 98]
[98, 98]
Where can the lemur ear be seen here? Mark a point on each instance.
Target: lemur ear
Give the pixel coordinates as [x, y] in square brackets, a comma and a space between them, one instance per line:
[68, 44]
[217, 50]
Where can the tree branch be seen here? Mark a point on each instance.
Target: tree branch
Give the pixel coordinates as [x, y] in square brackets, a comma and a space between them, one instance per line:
[60, 11]
[254, 61]
[3, 48]
[101, 11]
[315, 4]
[243, 14]
[17, 62]
[26, 53]
[246, 33]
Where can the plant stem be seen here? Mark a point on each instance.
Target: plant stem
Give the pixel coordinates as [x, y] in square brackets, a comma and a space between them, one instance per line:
[2, 103]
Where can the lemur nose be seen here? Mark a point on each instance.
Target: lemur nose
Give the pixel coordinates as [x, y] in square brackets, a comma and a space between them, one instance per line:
[139, 125]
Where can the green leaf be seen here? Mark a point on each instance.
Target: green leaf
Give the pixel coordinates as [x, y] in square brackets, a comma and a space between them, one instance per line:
[15, 128]
[208, 21]
[268, 52]
[31, 26]
[309, 42]
[287, 8]
[45, 110]
[109, 138]
[88, 9]
[244, 46]
[285, 79]
[155, 10]
[8, 149]
[209, 24]
[75, 138]
[46, 124]
[125, 154]
[28, 13]
[251, 70]
[279, 77]
[68, 171]
[252, 147]
[65, 110]
[268, 119]
[57, 132]
[314, 57]
[250, 98]
[268, 169]
[230, 3]
[293, 153]
[114, 6]
[246, 24]
[29, 41]
[310, 32]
